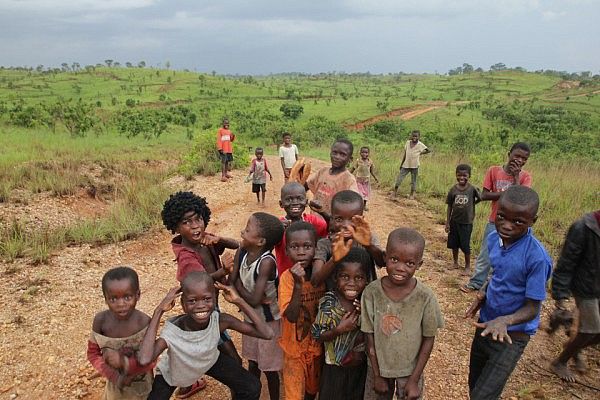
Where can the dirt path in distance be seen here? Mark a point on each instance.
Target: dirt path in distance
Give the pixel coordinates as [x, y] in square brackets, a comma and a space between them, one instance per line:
[405, 113]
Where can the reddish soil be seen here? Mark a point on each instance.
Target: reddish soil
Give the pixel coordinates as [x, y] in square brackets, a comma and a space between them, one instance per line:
[405, 113]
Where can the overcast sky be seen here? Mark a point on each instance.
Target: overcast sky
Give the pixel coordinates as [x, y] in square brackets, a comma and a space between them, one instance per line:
[270, 36]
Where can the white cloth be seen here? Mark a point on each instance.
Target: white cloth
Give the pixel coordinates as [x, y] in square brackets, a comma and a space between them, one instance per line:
[413, 154]
[289, 155]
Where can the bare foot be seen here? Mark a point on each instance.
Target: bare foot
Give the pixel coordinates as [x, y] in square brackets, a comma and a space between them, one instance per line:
[455, 266]
[580, 364]
[562, 371]
[466, 272]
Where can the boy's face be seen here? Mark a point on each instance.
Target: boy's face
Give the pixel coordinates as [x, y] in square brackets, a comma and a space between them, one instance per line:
[518, 157]
[287, 140]
[198, 301]
[364, 153]
[340, 155]
[341, 217]
[462, 177]
[513, 220]
[191, 227]
[121, 298]
[402, 260]
[226, 124]
[259, 154]
[351, 280]
[251, 237]
[414, 137]
[293, 201]
[300, 247]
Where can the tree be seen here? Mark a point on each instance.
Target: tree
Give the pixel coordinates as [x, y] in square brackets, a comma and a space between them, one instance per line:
[128, 64]
[108, 63]
[498, 67]
[75, 66]
[291, 110]
[142, 64]
[65, 66]
[77, 117]
[467, 68]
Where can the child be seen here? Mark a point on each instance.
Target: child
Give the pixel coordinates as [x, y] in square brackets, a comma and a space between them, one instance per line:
[413, 149]
[298, 303]
[363, 170]
[255, 278]
[348, 228]
[400, 317]
[293, 201]
[116, 337]
[577, 272]
[330, 180]
[288, 153]
[191, 340]
[497, 179]
[337, 327]
[461, 201]
[510, 302]
[224, 144]
[259, 171]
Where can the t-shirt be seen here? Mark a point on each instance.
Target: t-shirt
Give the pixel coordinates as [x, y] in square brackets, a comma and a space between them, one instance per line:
[398, 327]
[496, 180]
[296, 339]
[289, 155]
[258, 169]
[519, 272]
[224, 139]
[412, 154]
[362, 169]
[283, 261]
[325, 185]
[462, 202]
[189, 260]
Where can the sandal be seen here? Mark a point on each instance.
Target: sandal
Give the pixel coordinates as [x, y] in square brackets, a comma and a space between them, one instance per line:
[199, 385]
[467, 289]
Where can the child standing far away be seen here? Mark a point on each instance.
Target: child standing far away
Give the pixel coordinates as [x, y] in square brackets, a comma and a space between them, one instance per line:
[298, 303]
[511, 300]
[363, 170]
[259, 171]
[461, 201]
[191, 340]
[497, 179]
[577, 272]
[117, 335]
[330, 180]
[288, 153]
[413, 149]
[400, 317]
[224, 144]
[255, 278]
[337, 327]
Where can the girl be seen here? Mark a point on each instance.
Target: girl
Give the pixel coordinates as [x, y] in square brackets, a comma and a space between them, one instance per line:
[363, 170]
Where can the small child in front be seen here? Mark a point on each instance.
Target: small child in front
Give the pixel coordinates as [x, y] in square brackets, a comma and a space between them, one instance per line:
[337, 327]
[400, 317]
[255, 278]
[288, 154]
[191, 340]
[363, 170]
[117, 335]
[461, 201]
[510, 301]
[258, 171]
[298, 303]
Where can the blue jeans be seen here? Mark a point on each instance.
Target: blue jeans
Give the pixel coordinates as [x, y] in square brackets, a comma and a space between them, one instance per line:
[482, 264]
[414, 172]
[491, 364]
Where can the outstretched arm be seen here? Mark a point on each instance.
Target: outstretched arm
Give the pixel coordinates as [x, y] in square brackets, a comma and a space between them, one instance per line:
[258, 328]
[498, 327]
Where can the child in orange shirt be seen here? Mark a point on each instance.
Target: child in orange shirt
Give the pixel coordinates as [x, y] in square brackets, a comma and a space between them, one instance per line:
[224, 144]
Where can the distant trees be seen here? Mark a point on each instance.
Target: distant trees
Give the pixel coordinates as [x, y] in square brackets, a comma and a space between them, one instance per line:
[108, 62]
[291, 110]
[498, 67]
[142, 64]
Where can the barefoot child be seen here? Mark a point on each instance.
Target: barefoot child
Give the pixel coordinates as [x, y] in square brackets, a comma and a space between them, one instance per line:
[510, 302]
[258, 172]
[400, 317]
[191, 340]
[255, 278]
[413, 149]
[298, 302]
[288, 154]
[225, 140]
[461, 201]
[117, 335]
[337, 327]
[363, 170]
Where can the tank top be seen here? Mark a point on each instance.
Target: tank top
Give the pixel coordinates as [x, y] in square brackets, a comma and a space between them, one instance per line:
[269, 308]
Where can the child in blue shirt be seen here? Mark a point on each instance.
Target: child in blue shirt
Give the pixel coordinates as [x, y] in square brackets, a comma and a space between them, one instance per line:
[510, 302]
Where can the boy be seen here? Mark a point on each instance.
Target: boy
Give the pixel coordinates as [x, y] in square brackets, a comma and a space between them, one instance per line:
[259, 170]
[293, 201]
[288, 153]
[497, 179]
[224, 144]
[400, 317]
[510, 302]
[461, 201]
[413, 149]
[298, 302]
[577, 272]
[330, 180]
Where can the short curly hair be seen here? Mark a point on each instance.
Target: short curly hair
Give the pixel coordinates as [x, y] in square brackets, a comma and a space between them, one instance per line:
[118, 274]
[181, 203]
[271, 228]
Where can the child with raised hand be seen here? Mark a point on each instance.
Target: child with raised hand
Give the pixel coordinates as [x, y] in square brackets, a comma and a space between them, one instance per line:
[288, 154]
[461, 200]
[362, 168]
[400, 317]
[298, 303]
[258, 171]
[337, 327]
[191, 339]
[117, 335]
[255, 278]
[511, 299]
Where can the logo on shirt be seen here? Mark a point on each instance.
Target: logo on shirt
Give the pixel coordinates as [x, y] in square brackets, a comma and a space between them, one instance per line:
[390, 324]
[461, 200]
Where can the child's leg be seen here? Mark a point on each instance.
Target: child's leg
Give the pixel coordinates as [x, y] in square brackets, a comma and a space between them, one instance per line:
[401, 382]
[264, 191]
[312, 376]
[414, 173]
[161, 390]
[401, 176]
[242, 383]
[467, 269]
[455, 258]
[371, 394]
[273, 383]
[293, 378]
[482, 264]
[343, 383]
[253, 368]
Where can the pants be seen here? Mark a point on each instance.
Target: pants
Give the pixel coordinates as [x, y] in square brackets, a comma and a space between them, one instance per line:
[300, 375]
[414, 172]
[491, 363]
[226, 370]
[482, 264]
[343, 383]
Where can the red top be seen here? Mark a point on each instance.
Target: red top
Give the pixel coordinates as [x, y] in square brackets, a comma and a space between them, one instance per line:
[224, 139]
[187, 259]
[496, 180]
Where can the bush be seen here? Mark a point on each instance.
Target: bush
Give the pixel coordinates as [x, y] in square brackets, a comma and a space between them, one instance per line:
[291, 110]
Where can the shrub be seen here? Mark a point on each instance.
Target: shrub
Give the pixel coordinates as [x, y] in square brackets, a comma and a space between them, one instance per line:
[291, 110]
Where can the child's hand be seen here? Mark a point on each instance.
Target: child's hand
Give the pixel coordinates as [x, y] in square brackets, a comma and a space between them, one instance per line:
[229, 293]
[168, 302]
[340, 247]
[112, 358]
[514, 168]
[447, 228]
[208, 239]
[227, 261]
[356, 304]
[298, 273]
[315, 206]
[381, 385]
[497, 328]
[411, 390]
[348, 323]
[124, 380]
[362, 230]
[271, 178]
[286, 223]
[474, 307]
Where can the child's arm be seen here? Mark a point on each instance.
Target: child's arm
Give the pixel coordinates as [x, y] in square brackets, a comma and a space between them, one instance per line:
[362, 234]
[411, 389]
[292, 309]
[380, 383]
[258, 328]
[498, 327]
[95, 357]
[487, 195]
[210, 239]
[348, 323]
[372, 171]
[448, 215]
[322, 269]
[318, 208]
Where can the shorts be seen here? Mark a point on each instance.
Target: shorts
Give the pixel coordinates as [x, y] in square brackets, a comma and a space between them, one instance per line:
[258, 187]
[589, 315]
[266, 353]
[226, 157]
[459, 237]
[301, 375]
